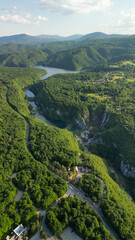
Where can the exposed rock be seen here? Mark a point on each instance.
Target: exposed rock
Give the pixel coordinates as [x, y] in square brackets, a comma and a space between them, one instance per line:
[82, 121]
[104, 120]
[95, 119]
[127, 170]
[58, 113]
[114, 144]
[85, 134]
[96, 141]
[121, 155]
[79, 139]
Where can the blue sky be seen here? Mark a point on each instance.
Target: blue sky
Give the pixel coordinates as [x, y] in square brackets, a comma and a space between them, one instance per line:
[66, 17]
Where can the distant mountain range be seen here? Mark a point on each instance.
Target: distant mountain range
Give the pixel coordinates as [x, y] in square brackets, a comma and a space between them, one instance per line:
[27, 39]
[100, 35]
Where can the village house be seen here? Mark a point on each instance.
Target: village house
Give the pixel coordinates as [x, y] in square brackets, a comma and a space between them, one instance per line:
[19, 233]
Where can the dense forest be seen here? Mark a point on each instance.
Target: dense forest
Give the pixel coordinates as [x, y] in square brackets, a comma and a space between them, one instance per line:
[92, 185]
[101, 101]
[90, 97]
[54, 145]
[116, 206]
[15, 158]
[77, 214]
[73, 55]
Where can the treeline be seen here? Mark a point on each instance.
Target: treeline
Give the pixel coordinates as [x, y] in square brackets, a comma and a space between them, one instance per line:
[77, 214]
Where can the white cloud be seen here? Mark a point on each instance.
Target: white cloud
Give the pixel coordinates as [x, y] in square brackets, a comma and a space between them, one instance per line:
[14, 9]
[125, 24]
[124, 14]
[128, 19]
[40, 19]
[129, 15]
[26, 19]
[75, 6]
[10, 10]
[14, 19]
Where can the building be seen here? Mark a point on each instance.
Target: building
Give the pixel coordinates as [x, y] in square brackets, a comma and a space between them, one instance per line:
[18, 233]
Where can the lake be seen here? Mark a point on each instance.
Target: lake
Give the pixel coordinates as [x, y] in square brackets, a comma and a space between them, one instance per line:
[36, 111]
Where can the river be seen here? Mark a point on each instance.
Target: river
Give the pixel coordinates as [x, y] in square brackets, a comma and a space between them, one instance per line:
[36, 111]
[71, 189]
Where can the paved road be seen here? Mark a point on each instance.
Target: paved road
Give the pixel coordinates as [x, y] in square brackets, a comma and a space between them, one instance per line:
[80, 194]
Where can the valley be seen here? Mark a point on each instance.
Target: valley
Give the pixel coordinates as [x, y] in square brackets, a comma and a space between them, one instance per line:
[39, 133]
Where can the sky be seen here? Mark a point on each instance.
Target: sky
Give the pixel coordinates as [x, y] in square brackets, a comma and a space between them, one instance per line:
[66, 17]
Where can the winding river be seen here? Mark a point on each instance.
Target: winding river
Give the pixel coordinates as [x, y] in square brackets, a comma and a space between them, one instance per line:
[36, 111]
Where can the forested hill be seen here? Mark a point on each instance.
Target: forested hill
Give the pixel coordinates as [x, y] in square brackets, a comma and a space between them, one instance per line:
[27, 39]
[72, 54]
[91, 53]
[103, 103]
[56, 149]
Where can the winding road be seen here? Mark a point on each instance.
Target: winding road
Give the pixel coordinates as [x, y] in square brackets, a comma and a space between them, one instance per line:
[71, 189]
[80, 194]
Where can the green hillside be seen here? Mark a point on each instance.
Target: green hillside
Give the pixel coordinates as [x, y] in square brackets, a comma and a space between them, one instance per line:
[100, 102]
[15, 157]
[87, 97]
[77, 214]
[73, 55]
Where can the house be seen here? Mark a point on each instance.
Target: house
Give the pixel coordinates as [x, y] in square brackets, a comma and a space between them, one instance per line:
[18, 233]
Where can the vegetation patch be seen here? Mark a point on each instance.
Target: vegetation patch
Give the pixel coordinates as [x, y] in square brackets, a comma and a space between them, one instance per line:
[116, 206]
[14, 156]
[51, 144]
[92, 185]
[77, 214]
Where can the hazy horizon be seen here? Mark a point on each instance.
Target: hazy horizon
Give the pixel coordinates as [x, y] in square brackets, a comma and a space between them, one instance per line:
[57, 34]
[66, 18]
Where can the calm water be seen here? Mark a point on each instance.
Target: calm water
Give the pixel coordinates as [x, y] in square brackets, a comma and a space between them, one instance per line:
[35, 110]
[52, 71]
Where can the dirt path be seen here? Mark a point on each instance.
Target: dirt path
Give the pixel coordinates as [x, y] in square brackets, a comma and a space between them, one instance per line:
[19, 192]
[18, 195]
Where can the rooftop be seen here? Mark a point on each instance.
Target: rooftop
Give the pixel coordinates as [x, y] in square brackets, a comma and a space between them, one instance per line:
[18, 230]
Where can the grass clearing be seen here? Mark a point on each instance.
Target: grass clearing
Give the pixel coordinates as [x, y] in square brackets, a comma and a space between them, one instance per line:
[94, 95]
[130, 80]
[128, 62]
[113, 66]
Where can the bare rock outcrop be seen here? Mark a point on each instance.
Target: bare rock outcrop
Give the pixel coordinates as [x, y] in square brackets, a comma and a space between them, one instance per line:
[127, 170]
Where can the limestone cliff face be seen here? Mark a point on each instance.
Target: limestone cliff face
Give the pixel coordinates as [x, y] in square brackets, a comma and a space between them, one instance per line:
[127, 170]
[104, 120]
[82, 121]
[58, 114]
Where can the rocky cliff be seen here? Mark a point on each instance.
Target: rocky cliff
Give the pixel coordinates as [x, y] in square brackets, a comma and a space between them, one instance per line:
[127, 170]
